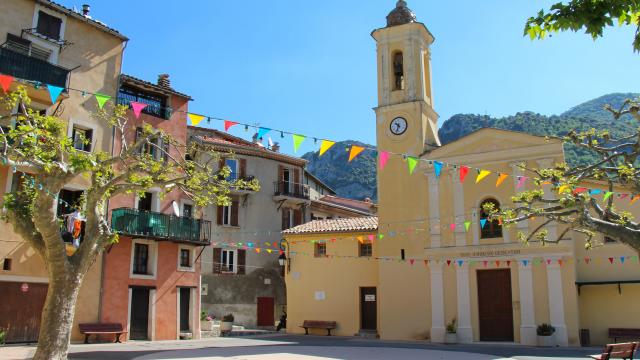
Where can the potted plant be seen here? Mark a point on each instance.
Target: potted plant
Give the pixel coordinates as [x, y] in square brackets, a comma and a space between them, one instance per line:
[450, 337]
[227, 323]
[206, 321]
[545, 335]
[3, 334]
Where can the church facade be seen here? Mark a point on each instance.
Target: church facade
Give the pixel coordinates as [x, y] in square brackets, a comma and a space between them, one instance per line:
[431, 260]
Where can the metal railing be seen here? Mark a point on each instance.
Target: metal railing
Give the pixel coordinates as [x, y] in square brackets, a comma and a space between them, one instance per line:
[28, 67]
[154, 225]
[286, 188]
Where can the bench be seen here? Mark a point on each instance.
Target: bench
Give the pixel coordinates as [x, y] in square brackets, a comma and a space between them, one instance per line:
[617, 351]
[622, 333]
[101, 328]
[318, 324]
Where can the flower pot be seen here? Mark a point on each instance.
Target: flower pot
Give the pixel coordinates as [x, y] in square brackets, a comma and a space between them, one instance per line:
[546, 340]
[226, 326]
[450, 338]
[206, 325]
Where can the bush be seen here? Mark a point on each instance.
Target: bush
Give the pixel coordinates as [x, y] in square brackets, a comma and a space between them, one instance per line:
[228, 318]
[203, 315]
[545, 330]
[451, 326]
[3, 335]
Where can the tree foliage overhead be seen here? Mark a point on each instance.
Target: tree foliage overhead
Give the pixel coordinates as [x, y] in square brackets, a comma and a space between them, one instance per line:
[591, 15]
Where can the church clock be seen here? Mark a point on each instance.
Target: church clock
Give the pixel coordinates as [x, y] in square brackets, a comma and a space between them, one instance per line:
[398, 126]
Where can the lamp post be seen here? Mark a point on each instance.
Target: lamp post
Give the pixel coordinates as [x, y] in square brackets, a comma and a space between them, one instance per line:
[284, 260]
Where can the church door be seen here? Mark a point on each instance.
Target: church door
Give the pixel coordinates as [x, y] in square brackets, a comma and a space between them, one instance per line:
[494, 305]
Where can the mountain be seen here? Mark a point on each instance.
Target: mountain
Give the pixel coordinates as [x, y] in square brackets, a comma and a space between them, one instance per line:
[357, 180]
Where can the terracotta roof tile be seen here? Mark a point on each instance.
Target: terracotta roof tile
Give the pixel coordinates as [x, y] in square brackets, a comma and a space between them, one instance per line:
[355, 204]
[368, 223]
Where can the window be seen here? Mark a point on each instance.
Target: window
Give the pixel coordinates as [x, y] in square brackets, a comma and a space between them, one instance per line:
[320, 250]
[17, 181]
[49, 25]
[233, 165]
[228, 215]
[491, 229]
[71, 200]
[82, 138]
[291, 218]
[156, 104]
[185, 258]
[141, 259]
[398, 71]
[187, 210]
[401, 254]
[366, 249]
[26, 47]
[145, 202]
[6, 265]
[227, 261]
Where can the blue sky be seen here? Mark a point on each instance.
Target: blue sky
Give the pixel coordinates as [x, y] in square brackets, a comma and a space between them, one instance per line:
[309, 66]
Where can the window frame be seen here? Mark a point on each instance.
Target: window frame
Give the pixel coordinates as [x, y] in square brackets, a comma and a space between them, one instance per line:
[75, 128]
[50, 45]
[362, 246]
[224, 255]
[492, 229]
[86, 126]
[152, 259]
[320, 249]
[234, 170]
[157, 104]
[138, 267]
[191, 251]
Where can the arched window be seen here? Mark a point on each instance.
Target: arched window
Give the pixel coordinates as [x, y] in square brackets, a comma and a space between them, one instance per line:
[491, 229]
[398, 71]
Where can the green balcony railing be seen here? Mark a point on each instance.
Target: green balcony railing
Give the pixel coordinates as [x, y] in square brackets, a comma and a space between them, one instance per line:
[154, 225]
[27, 67]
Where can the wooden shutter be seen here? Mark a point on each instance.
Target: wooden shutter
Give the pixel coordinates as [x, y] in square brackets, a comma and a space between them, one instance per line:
[217, 255]
[235, 204]
[285, 218]
[88, 134]
[221, 163]
[242, 261]
[219, 215]
[297, 181]
[243, 168]
[297, 217]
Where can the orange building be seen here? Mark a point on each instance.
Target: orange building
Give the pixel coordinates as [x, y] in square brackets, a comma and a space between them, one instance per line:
[152, 275]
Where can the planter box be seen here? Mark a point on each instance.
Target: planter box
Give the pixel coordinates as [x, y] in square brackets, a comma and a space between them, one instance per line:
[226, 326]
[206, 325]
[547, 341]
[450, 338]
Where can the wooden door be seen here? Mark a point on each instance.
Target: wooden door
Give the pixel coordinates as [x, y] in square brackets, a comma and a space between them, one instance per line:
[185, 306]
[368, 308]
[139, 314]
[266, 307]
[495, 308]
[20, 310]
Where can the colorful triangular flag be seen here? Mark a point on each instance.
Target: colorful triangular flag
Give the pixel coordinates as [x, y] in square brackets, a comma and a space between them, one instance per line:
[383, 158]
[595, 191]
[607, 195]
[137, 108]
[525, 262]
[501, 178]
[228, 124]
[412, 162]
[262, 131]
[521, 181]
[437, 168]
[482, 174]
[562, 188]
[297, 141]
[325, 145]
[483, 222]
[54, 92]
[634, 199]
[195, 118]
[464, 170]
[452, 226]
[5, 82]
[102, 99]
[466, 225]
[355, 151]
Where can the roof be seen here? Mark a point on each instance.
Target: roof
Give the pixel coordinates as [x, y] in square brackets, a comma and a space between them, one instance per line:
[350, 203]
[357, 224]
[328, 206]
[65, 10]
[132, 80]
[316, 179]
[224, 142]
[400, 15]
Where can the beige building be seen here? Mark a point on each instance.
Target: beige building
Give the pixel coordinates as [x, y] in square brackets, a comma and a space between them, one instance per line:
[430, 256]
[44, 43]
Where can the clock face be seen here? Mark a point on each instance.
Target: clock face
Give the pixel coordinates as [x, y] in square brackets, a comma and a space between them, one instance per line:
[398, 126]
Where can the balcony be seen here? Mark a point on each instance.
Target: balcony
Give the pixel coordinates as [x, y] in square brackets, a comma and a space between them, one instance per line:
[288, 191]
[154, 225]
[27, 67]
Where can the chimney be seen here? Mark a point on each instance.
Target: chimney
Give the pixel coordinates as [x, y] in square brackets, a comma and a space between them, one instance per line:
[163, 81]
[275, 147]
[85, 9]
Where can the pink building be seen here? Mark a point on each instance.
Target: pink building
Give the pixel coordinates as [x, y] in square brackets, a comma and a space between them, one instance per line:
[152, 275]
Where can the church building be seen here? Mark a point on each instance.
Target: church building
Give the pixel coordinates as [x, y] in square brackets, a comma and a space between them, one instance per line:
[431, 262]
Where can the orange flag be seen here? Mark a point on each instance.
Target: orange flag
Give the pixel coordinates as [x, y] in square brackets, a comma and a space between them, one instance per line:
[501, 179]
[355, 151]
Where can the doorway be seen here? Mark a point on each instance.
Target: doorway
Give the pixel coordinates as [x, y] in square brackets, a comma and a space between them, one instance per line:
[185, 309]
[495, 308]
[368, 308]
[23, 325]
[266, 307]
[139, 325]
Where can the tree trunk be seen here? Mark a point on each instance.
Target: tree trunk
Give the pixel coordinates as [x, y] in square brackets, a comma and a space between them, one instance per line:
[57, 315]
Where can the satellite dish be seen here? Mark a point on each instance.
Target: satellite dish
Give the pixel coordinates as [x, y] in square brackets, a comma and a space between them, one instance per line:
[176, 208]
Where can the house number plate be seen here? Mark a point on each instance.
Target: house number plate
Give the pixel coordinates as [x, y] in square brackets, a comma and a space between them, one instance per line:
[369, 298]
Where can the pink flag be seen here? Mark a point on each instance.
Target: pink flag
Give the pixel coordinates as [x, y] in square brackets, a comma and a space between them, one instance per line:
[521, 180]
[137, 108]
[411, 261]
[371, 237]
[452, 226]
[384, 157]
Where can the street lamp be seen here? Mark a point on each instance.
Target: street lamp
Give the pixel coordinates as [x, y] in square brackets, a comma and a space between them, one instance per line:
[283, 259]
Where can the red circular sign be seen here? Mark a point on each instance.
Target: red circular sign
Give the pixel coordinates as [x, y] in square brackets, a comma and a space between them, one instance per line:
[24, 287]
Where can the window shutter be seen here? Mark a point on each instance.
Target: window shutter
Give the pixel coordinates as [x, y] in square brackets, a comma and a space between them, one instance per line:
[297, 217]
[217, 255]
[281, 187]
[285, 218]
[296, 179]
[88, 134]
[242, 261]
[219, 215]
[165, 151]
[221, 163]
[243, 168]
[234, 213]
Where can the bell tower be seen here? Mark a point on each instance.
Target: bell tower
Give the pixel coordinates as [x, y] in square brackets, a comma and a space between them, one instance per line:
[406, 120]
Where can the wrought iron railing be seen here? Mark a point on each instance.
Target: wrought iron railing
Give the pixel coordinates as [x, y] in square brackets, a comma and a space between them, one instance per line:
[286, 188]
[154, 225]
[26, 67]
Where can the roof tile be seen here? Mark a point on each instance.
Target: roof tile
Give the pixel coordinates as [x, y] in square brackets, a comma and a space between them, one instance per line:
[368, 223]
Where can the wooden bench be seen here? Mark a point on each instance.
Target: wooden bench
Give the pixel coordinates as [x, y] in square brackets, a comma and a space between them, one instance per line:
[318, 324]
[617, 351]
[101, 328]
[623, 333]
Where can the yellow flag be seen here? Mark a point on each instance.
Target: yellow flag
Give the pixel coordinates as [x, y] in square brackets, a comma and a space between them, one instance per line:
[355, 151]
[501, 178]
[482, 174]
[195, 119]
[562, 188]
[325, 145]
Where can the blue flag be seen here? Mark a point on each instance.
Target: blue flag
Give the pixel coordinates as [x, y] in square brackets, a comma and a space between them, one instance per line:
[437, 167]
[262, 132]
[54, 92]
[483, 222]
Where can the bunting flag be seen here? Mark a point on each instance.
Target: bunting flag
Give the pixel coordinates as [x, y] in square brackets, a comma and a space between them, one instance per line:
[452, 226]
[371, 237]
[137, 108]
[595, 191]
[460, 262]
[5, 82]
[384, 157]
[269, 251]
[622, 259]
[412, 162]
[622, 196]
[355, 151]
[607, 195]
[262, 131]
[448, 262]
[482, 174]
[102, 99]
[380, 236]
[579, 190]
[437, 167]
[297, 141]
[635, 198]
[497, 263]
[54, 92]
[483, 222]
[195, 118]
[586, 260]
[525, 262]
[485, 263]
[411, 261]
[562, 188]
[466, 225]
[611, 260]
[508, 262]
[501, 179]
[426, 262]
[521, 181]
[326, 145]
[228, 124]
[463, 172]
